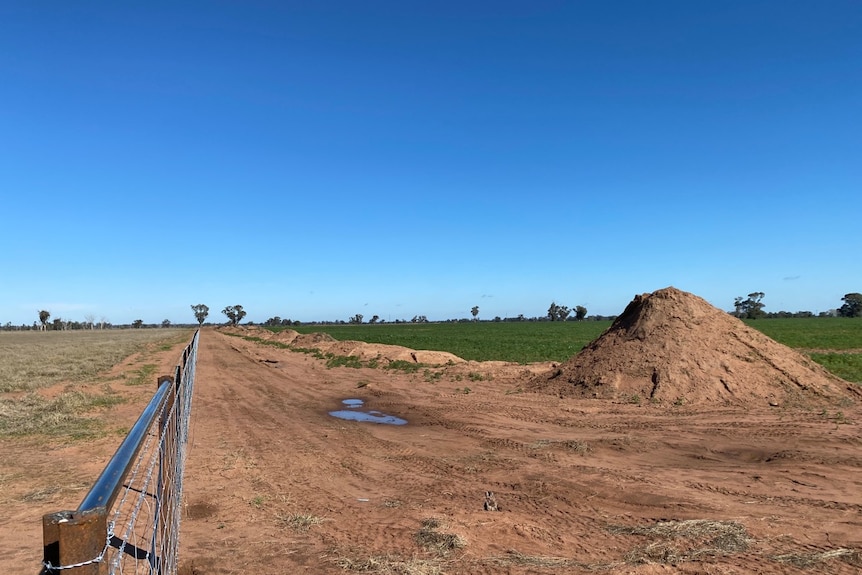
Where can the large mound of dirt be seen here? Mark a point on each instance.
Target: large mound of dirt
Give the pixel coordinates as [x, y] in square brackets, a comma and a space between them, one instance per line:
[672, 346]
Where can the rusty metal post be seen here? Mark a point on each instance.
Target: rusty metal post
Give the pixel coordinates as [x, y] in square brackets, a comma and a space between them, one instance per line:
[75, 540]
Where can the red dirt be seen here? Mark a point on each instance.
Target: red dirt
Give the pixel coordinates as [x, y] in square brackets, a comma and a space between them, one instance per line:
[583, 485]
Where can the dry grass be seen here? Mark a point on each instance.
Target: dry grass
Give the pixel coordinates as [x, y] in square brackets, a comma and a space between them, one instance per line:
[429, 538]
[579, 447]
[552, 564]
[517, 558]
[31, 360]
[299, 521]
[810, 560]
[68, 414]
[390, 565]
[680, 541]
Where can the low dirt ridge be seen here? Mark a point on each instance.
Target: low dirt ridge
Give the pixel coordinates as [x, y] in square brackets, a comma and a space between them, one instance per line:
[673, 346]
[383, 354]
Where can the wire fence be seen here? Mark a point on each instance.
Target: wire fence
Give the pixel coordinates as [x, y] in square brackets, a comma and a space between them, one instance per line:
[129, 521]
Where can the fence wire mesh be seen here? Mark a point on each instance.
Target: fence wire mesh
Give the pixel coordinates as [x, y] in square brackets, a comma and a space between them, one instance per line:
[142, 517]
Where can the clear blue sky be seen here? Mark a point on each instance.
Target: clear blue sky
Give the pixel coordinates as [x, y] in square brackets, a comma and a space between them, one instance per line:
[314, 160]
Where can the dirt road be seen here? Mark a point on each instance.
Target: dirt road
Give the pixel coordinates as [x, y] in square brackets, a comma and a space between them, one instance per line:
[274, 484]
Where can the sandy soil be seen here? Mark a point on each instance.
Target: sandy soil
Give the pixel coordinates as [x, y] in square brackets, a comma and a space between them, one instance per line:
[274, 484]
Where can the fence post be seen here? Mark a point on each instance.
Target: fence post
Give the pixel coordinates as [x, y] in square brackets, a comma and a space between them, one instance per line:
[75, 541]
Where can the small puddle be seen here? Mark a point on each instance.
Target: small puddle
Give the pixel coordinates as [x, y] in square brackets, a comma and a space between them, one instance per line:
[353, 414]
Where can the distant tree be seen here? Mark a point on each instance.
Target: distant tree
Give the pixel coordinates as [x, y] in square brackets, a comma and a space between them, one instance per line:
[201, 312]
[852, 305]
[166, 323]
[138, 323]
[374, 319]
[234, 313]
[419, 319]
[475, 312]
[356, 319]
[751, 308]
[580, 312]
[90, 321]
[58, 323]
[273, 321]
[558, 312]
[43, 317]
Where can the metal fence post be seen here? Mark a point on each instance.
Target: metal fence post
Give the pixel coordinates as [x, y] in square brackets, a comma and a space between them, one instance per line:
[75, 541]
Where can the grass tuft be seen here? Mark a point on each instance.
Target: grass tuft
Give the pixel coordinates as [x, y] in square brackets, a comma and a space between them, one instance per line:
[390, 565]
[688, 540]
[436, 542]
[809, 560]
[301, 522]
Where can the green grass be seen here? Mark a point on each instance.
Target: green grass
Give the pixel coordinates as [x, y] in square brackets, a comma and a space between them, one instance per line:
[832, 333]
[831, 342]
[845, 365]
[521, 342]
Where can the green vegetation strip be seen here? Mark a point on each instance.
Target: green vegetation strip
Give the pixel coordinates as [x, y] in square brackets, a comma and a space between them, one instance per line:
[835, 343]
[821, 333]
[520, 342]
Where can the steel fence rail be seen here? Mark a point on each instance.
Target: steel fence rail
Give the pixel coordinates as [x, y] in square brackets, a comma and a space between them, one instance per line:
[129, 521]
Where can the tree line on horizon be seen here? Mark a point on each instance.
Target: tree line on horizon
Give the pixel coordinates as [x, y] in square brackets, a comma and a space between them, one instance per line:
[750, 307]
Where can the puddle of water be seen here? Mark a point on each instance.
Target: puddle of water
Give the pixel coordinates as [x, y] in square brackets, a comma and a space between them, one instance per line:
[352, 413]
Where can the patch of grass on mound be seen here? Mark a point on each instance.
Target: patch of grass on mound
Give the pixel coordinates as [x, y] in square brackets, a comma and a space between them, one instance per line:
[406, 366]
[333, 360]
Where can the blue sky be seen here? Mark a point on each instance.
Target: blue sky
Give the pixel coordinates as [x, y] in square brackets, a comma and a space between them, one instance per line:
[314, 160]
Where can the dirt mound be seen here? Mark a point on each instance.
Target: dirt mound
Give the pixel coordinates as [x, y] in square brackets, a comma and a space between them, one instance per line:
[672, 346]
[312, 339]
[325, 343]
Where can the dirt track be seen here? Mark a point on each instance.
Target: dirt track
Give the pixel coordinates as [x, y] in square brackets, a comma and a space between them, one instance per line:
[276, 485]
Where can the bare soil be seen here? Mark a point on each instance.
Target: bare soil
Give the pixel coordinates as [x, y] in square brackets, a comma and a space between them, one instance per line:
[275, 484]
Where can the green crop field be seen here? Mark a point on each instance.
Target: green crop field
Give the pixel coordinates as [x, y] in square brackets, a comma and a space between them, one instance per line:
[820, 333]
[836, 343]
[522, 342]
